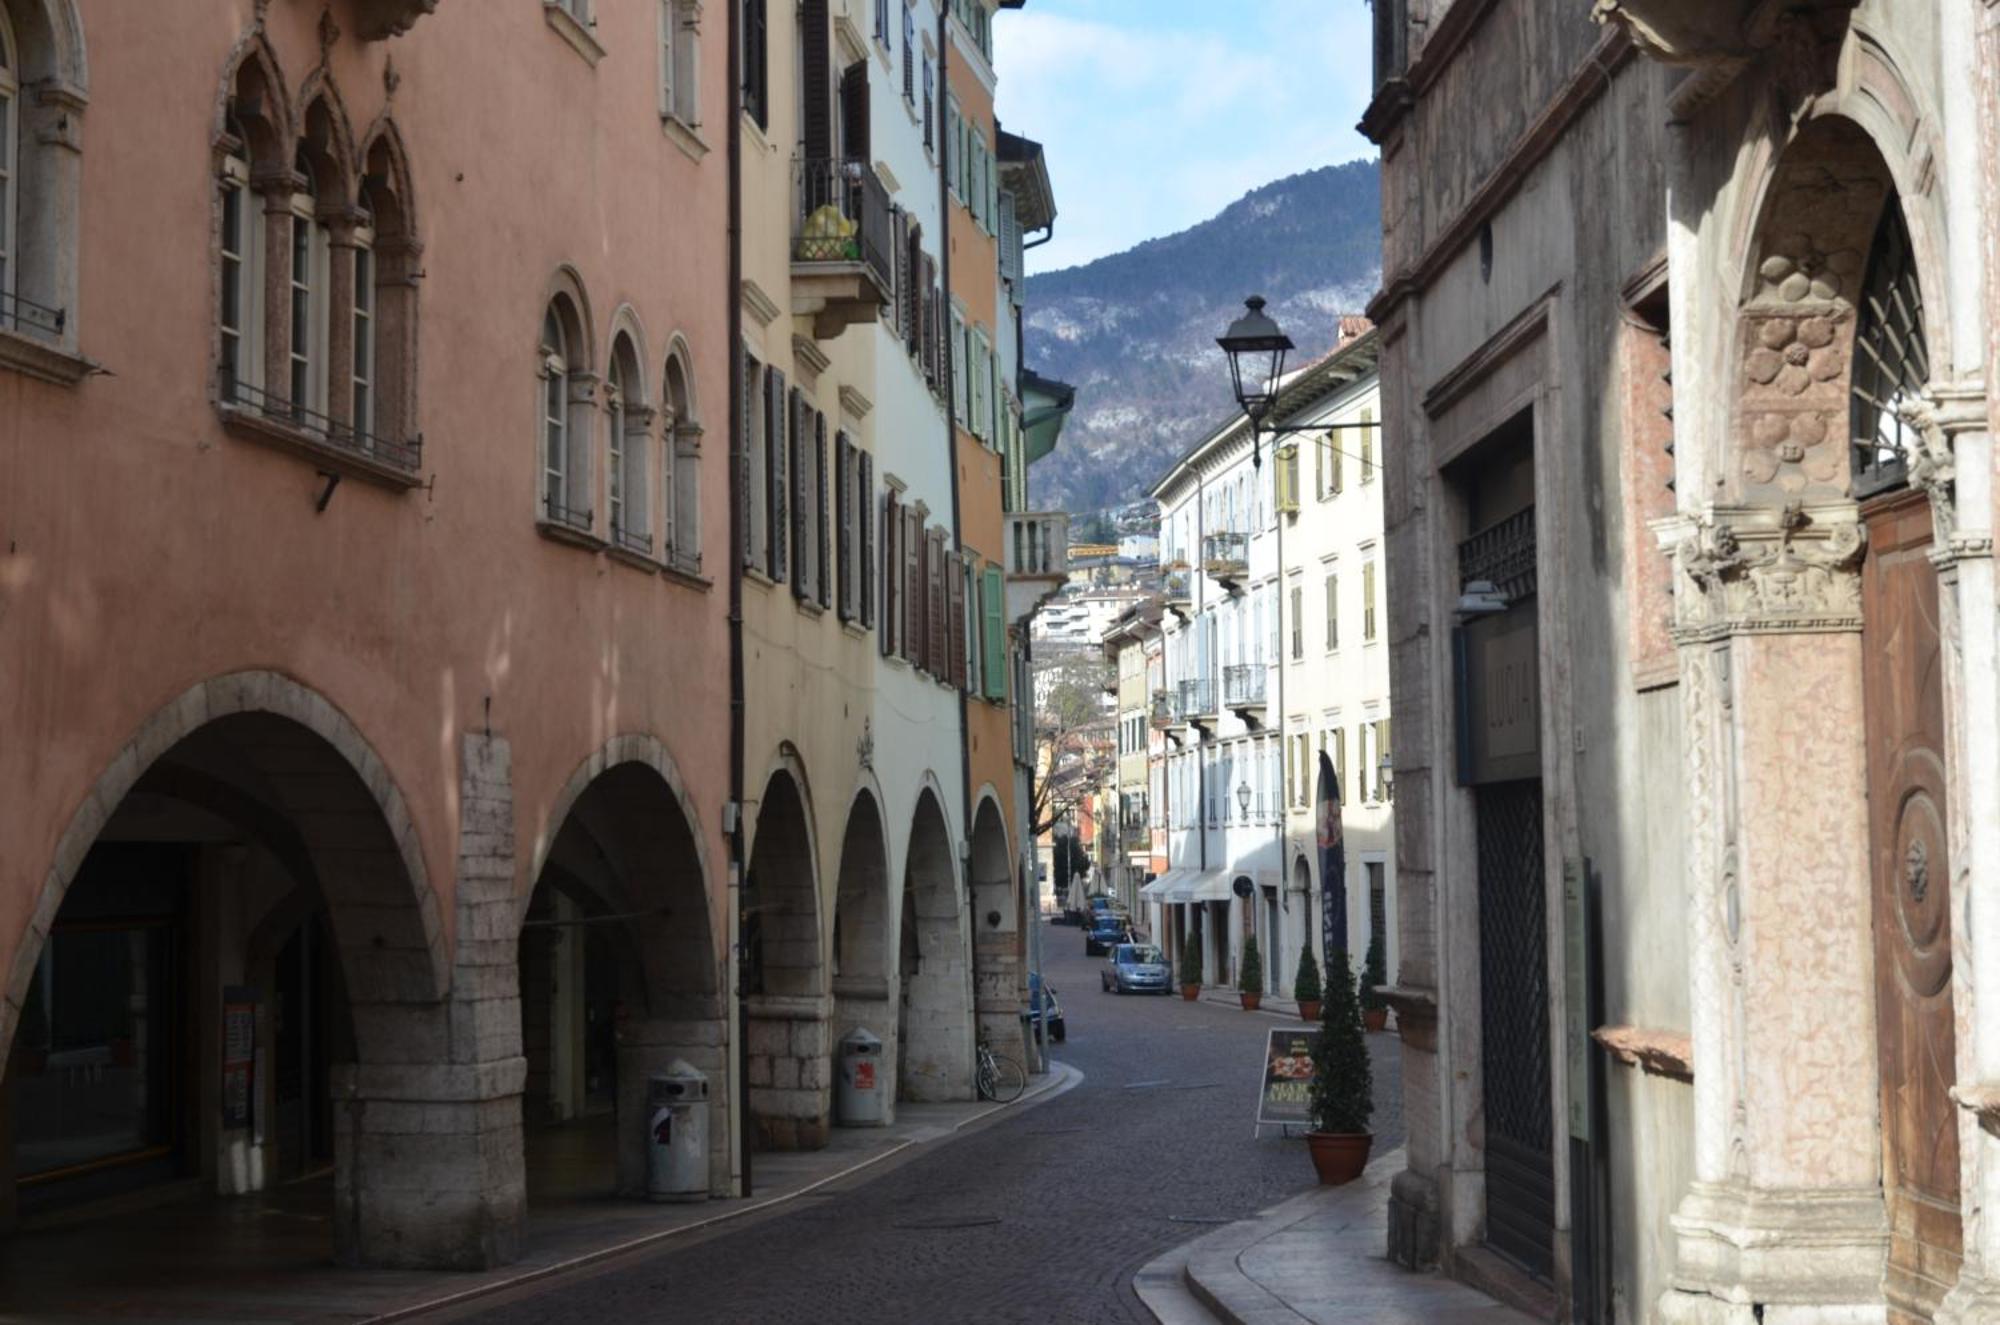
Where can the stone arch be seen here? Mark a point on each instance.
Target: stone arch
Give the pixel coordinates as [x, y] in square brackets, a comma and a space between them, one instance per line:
[935, 1021]
[786, 1006]
[620, 972]
[999, 929]
[861, 951]
[52, 49]
[253, 92]
[568, 296]
[679, 364]
[326, 141]
[387, 196]
[270, 792]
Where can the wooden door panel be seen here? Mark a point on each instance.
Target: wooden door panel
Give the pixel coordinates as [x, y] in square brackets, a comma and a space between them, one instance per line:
[1911, 904]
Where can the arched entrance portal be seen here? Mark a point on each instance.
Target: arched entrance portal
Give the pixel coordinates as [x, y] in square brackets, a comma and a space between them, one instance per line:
[861, 935]
[241, 980]
[618, 981]
[934, 1039]
[785, 1006]
[998, 961]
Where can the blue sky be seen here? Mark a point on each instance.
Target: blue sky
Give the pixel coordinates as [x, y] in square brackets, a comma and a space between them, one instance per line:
[1159, 113]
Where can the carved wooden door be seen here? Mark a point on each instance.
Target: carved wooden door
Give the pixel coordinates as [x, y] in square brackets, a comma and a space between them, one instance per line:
[1910, 873]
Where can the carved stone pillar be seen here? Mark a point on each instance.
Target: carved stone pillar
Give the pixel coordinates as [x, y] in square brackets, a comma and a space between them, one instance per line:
[1785, 1206]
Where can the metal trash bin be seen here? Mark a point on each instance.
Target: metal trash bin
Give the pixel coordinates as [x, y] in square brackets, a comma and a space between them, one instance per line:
[859, 1097]
[677, 1134]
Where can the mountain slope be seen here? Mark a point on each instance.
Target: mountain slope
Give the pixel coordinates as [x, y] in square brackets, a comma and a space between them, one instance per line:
[1135, 332]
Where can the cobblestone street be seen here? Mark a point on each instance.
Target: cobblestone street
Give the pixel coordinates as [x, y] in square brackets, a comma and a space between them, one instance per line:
[1043, 1216]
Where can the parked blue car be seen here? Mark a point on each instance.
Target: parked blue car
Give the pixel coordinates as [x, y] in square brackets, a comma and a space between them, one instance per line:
[1106, 931]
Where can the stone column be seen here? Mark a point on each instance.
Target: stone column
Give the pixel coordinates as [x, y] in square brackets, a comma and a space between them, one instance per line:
[1786, 1204]
[791, 1094]
[427, 1145]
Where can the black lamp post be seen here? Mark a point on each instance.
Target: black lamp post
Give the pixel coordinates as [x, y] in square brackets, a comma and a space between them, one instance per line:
[1256, 347]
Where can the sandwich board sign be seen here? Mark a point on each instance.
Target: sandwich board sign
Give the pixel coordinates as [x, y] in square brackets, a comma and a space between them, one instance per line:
[1285, 1100]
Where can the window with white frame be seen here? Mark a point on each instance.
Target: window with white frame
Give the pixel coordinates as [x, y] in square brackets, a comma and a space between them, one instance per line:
[628, 439]
[564, 419]
[680, 507]
[310, 260]
[242, 247]
[680, 61]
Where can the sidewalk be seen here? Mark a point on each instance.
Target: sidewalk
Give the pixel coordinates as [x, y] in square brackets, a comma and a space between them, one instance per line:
[267, 1257]
[1317, 1257]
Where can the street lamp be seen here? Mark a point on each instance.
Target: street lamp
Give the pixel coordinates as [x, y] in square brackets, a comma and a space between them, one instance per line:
[1256, 347]
[1243, 798]
[1385, 776]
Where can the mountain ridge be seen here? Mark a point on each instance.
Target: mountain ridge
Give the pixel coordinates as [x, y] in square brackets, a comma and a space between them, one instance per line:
[1135, 331]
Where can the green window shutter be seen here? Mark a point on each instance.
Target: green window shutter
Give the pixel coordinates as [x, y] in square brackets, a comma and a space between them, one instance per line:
[993, 607]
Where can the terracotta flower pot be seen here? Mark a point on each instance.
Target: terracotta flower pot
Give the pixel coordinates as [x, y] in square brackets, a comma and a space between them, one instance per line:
[1251, 1002]
[1190, 992]
[1309, 1011]
[1339, 1157]
[1375, 1019]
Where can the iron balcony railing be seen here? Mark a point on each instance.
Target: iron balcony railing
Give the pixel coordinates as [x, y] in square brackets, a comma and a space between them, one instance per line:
[1165, 708]
[23, 314]
[1197, 699]
[1225, 554]
[567, 516]
[1038, 543]
[845, 216]
[1243, 685]
[1178, 586]
[640, 543]
[404, 455]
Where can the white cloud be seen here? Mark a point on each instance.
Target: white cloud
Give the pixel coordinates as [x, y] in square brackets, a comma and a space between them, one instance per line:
[1158, 113]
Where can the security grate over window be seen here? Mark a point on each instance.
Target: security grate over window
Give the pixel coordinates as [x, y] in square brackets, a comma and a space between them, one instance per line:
[1891, 361]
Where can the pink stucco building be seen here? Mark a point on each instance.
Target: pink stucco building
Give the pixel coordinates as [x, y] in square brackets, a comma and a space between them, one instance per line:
[356, 525]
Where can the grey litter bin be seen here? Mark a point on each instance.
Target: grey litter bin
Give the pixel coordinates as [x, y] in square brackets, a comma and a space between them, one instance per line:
[677, 1134]
[859, 1098]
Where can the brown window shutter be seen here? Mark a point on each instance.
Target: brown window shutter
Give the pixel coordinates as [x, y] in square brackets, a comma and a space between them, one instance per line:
[954, 588]
[776, 490]
[746, 442]
[843, 501]
[913, 585]
[816, 79]
[892, 601]
[799, 450]
[822, 569]
[854, 113]
[864, 570]
[940, 644]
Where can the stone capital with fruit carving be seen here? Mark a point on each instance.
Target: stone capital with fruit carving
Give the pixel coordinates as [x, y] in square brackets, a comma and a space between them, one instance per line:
[1760, 571]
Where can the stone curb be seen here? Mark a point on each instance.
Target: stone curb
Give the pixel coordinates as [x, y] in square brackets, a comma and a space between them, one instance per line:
[1209, 1266]
[1060, 1079]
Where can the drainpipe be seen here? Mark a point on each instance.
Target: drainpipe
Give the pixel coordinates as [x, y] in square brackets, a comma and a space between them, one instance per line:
[737, 410]
[1281, 808]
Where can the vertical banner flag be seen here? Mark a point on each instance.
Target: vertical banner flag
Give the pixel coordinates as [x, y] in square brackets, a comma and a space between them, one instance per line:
[1332, 861]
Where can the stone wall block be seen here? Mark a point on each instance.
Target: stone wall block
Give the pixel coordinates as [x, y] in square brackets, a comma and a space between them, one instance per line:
[785, 1073]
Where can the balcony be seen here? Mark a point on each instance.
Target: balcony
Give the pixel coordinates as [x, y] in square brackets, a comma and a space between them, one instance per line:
[1243, 688]
[1177, 591]
[1226, 557]
[1165, 712]
[844, 249]
[1037, 560]
[1197, 702]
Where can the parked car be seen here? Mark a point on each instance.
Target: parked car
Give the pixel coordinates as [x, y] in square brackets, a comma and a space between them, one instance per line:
[1045, 1010]
[1106, 931]
[1136, 968]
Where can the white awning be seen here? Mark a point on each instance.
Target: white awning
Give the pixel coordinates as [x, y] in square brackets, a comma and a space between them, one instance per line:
[1210, 887]
[1156, 890]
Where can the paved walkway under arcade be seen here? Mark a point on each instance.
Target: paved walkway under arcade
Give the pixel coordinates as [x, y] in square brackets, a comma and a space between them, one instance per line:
[267, 1257]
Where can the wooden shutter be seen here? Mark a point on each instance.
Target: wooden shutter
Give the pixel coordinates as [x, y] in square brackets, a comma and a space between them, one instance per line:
[938, 617]
[994, 610]
[891, 567]
[799, 456]
[913, 585]
[843, 500]
[816, 80]
[821, 567]
[854, 112]
[864, 570]
[777, 433]
[954, 588]
[747, 441]
[909, 53]
[911, 289]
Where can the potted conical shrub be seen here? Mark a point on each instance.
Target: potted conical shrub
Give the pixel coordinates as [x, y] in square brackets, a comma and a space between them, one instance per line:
[1250, 975]
[1305, 985]
[1374, 1007]
[1191, 970]
[1342, 1096]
